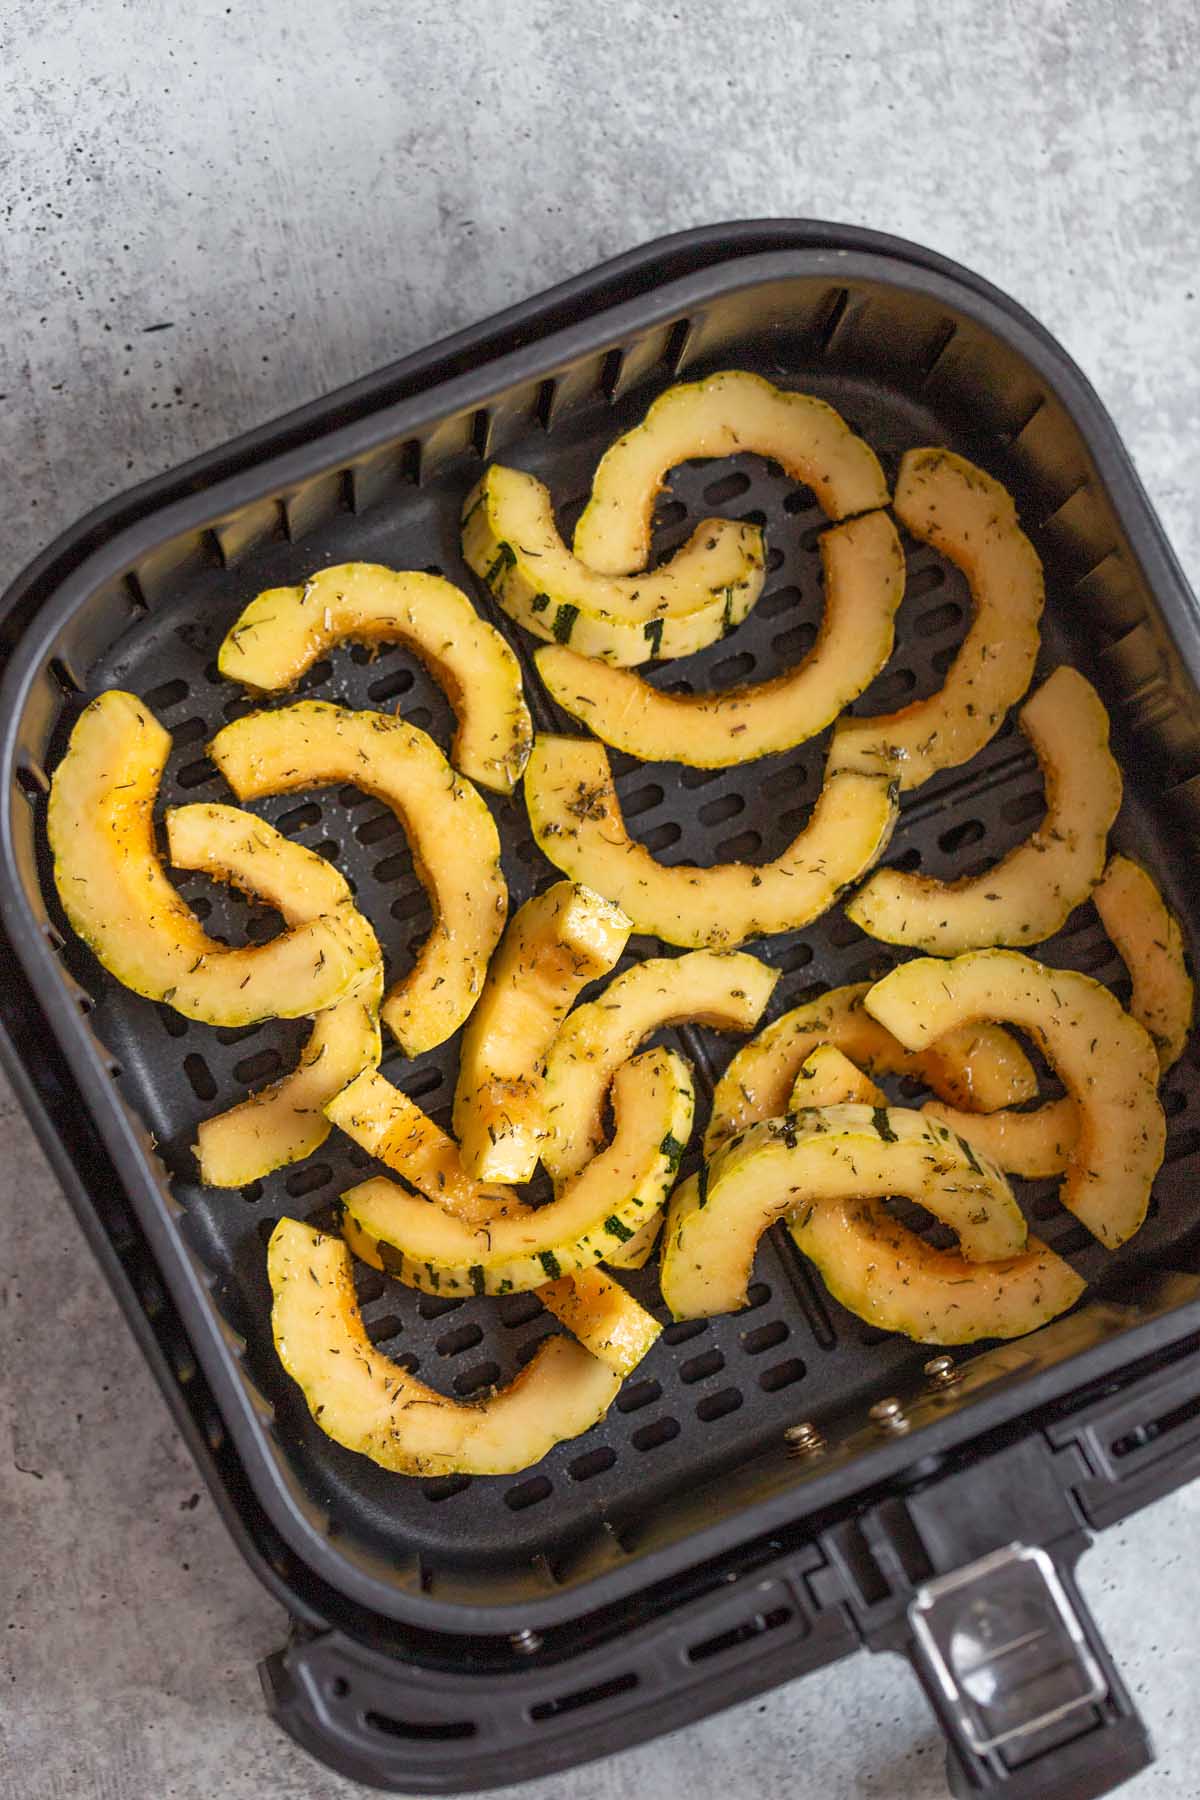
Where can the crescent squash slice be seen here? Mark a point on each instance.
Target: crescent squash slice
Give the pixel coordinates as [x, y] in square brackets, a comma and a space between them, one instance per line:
[369, 1404]
[601, 1208]
[788, 1167]
[977, 1064]
[723, 415]
[555, 945]
[1031, 892]
[283, 1122]
[453, 838]
[887, 1275]
[727, 990]
[116, 894]
[1031, 1144]
[607, 1320]
[893, 1279]
[576, 819]
[864, 584]
[392, 1127]
[946, 501]
[1104, 1058]
[388, 1123]
[510, 540]
[1150, 944]
[284, 630]
[829, 1078]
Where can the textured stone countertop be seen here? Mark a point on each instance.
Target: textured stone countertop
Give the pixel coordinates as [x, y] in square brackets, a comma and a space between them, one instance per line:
[214, 212]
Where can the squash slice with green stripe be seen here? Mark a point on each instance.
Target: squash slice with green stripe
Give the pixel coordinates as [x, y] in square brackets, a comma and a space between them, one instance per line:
[786, 1168]
[891, 1278]
[864, 584]
[599, 1210]
[116, 894]
[371, 1405]
[1033, 1144]
[452, 835]
[284, 630]
[554, 945]
[389, 1124]
[727, 990]
[979, 1064]
[640, 1248]
[510, 540]
[283, 1122]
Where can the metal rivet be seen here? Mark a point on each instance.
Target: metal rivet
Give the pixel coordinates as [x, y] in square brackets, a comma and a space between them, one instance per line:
[888, 1415]
[526, 1642]
[943, 1372]
[805, 1439]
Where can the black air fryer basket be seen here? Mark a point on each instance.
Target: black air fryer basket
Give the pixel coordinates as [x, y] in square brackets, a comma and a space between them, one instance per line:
[748, 1510]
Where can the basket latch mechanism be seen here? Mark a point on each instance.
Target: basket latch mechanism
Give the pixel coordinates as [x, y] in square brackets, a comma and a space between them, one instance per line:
[1005, 1646]
[1021, 1681]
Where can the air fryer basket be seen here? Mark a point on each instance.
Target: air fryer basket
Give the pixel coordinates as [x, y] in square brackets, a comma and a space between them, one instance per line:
[691, 1464]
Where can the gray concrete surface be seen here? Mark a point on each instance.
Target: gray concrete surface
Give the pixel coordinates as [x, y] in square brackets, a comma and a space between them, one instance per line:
[299, 194]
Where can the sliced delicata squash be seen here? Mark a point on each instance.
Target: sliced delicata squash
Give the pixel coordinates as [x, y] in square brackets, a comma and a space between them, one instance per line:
[388, 1123]
[283, 1122]
[1030, 1144]
[1029, 894]
[453, 838]
[790, 1167]
[725, 989]
[706, 589]
[554, 945]
[977, 1064]
[577, 822]
[944, 500]
[888, 1276]
[116, 894]
[371, 1405]
[1150, 944]
[600, 1209]
[392, 1127]
[864, 584]
[284, 630]
[828, 1078]
[1104, 1058]
[606, 1320]
[895, 1281]
[723, 415]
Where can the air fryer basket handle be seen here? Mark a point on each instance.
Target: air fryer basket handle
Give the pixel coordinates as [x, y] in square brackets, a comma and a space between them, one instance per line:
[1021, 1682]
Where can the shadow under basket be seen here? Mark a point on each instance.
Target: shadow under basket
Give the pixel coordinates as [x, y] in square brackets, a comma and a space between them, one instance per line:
[696, 1546]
